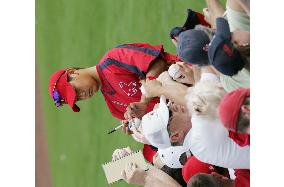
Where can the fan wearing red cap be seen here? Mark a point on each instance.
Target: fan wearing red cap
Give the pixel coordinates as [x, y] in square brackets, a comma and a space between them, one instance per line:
[234, 113]
[194, 166]
[216, 180]
[117, 75]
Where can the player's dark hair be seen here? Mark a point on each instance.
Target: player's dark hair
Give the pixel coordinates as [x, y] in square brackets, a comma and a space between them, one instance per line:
[176, 174]
[69, 78]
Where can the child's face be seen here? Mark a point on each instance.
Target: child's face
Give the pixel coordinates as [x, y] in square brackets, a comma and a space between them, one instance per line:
[84, 85]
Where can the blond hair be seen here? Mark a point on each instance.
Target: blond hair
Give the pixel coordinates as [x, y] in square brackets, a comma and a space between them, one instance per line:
[204, 98]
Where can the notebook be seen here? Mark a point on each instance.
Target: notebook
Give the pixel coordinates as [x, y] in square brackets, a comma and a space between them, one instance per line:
[114, 169]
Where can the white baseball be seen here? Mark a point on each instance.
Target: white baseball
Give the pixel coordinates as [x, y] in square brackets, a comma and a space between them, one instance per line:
[174, 71]
[143, 91]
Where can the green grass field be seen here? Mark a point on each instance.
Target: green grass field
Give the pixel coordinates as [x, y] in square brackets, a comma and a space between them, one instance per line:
[78, 33]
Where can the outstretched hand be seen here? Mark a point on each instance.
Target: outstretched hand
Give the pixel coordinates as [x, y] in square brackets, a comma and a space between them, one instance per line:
[135, 110]
[134, 175]
[152, 87]
[120, 153]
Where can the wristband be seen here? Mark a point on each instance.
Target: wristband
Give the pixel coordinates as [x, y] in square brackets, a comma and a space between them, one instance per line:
[151, 77]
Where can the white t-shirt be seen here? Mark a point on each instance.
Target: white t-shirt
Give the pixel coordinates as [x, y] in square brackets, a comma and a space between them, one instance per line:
[240, 80]
[209, 142]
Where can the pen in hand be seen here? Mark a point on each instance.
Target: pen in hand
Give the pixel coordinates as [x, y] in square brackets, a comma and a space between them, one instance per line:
[115, 129]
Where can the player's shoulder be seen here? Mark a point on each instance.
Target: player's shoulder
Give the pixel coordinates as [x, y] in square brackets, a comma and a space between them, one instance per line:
[141, 45]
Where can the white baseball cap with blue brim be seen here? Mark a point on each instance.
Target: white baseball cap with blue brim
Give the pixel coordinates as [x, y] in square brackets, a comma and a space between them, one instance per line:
[154, 125]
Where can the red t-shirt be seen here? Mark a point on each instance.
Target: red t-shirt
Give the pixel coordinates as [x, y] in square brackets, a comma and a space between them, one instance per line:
[120, 71]
[242, 178]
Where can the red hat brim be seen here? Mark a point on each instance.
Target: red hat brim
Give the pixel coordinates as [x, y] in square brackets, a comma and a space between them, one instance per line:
[65, 89]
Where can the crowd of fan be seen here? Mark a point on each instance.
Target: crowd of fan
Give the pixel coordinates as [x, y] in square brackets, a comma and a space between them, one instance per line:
[201, 127]
[198, 132]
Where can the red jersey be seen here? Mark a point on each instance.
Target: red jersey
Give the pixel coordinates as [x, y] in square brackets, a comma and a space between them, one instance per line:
[120, 71]
[242, 178]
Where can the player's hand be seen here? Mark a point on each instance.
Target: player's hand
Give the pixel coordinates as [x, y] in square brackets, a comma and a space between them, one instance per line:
[134, 175]
[120, 153]
[135, 110]
[187, 75]
[139, 136]
[125, 129]
[152, 87]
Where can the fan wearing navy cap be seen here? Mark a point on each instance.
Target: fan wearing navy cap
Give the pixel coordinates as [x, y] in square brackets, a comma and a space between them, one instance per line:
[193, 19]
[227, 59]
[197, 48]
[117, 75]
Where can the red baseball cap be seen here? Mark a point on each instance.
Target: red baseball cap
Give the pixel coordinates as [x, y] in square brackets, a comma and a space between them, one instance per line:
[61, 91]
[193, 166]
[230, 107]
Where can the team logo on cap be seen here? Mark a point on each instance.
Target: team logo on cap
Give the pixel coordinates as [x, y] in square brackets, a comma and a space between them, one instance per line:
[227, 49]
[205, 48]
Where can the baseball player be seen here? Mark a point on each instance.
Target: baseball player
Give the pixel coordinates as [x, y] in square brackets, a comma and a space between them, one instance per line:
[117, 76]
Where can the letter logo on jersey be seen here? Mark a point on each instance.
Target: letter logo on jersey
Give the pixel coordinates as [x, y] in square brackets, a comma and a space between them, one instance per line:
[129, 89]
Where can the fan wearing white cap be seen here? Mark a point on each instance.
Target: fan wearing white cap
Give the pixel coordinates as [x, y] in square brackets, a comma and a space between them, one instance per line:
[208, 140]
[166, 125]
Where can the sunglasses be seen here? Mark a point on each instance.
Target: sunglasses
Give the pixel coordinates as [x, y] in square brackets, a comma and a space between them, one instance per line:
[58, 100]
